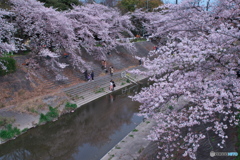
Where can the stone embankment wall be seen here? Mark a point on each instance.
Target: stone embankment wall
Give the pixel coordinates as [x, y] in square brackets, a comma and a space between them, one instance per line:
[27, 83]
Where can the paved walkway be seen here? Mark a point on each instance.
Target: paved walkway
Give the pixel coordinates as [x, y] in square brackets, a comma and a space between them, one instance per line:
[80, 94]
[91, 90]
[132, 145]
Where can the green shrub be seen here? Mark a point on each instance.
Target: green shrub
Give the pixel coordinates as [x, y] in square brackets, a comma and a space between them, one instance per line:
[53, 112]
[10, 63]
[43, 118]
[70, 106]
[9, 132]
[49, 116]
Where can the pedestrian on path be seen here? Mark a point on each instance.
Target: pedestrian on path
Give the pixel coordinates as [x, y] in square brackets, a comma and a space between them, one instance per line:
[140, 62]
[111, 70]
[111, 86]
[92, 75]
[114, 85]
[89, 77]
[103, 64]
[86, 75]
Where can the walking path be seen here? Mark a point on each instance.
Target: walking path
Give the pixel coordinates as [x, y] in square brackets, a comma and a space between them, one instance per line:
[81, 94]
[132, 145]
[91, 90]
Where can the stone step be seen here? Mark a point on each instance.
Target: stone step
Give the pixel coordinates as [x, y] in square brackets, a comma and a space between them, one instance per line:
[90, 85]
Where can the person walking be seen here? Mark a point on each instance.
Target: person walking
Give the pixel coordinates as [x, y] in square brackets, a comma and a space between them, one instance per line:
[111, 71]
[89, 77]
[86, 75]
[140, 62]
[114, 85]
[103, 63]
[92, 75]
[111, 86]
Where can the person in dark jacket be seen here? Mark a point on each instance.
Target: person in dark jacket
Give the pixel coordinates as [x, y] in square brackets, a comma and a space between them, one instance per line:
[86, 75]
[92, 75]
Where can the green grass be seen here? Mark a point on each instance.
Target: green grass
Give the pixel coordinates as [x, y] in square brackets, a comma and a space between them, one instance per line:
[111, 156]
[7, 54]
[123, 83]
[118, 147]
[99, 90]
[128, 81]
[135, 130]
[49, 116]
[9, 132]
[131, 135]
[99, 45]
[24, 130]
[70, 106]
[10, 65]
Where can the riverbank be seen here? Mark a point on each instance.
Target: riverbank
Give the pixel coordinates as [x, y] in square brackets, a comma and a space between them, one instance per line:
[79, 94]
[133, 144]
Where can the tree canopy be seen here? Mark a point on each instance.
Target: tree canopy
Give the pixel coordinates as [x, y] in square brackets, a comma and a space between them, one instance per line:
[60, 4]
[48, 32]
[196, 61]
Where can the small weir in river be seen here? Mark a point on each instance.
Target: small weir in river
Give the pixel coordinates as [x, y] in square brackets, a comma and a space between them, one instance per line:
[87, 134]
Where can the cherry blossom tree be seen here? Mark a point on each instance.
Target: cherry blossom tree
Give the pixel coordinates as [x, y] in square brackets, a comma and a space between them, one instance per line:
[48, 32]
[52, 32]
[99, 27]
[7, 31]
[197, 62]
[45, 27]
[8, 43]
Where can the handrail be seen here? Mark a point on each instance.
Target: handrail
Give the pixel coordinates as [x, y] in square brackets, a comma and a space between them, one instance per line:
[130, 78]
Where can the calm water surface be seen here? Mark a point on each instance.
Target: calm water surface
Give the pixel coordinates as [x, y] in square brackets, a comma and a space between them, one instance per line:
[87, 134]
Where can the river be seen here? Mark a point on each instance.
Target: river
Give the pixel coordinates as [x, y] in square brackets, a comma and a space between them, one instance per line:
[86, 134]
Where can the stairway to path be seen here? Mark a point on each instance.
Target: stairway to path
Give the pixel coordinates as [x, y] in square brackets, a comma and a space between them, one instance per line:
[88, 91]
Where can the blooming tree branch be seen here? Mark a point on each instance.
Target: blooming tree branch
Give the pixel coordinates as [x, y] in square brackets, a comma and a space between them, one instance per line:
[198, 62]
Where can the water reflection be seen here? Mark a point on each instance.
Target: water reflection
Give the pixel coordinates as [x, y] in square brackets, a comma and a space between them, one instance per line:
[86, 134]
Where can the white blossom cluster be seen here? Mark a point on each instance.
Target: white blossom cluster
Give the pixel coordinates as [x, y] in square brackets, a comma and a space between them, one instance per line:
[198, 61]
